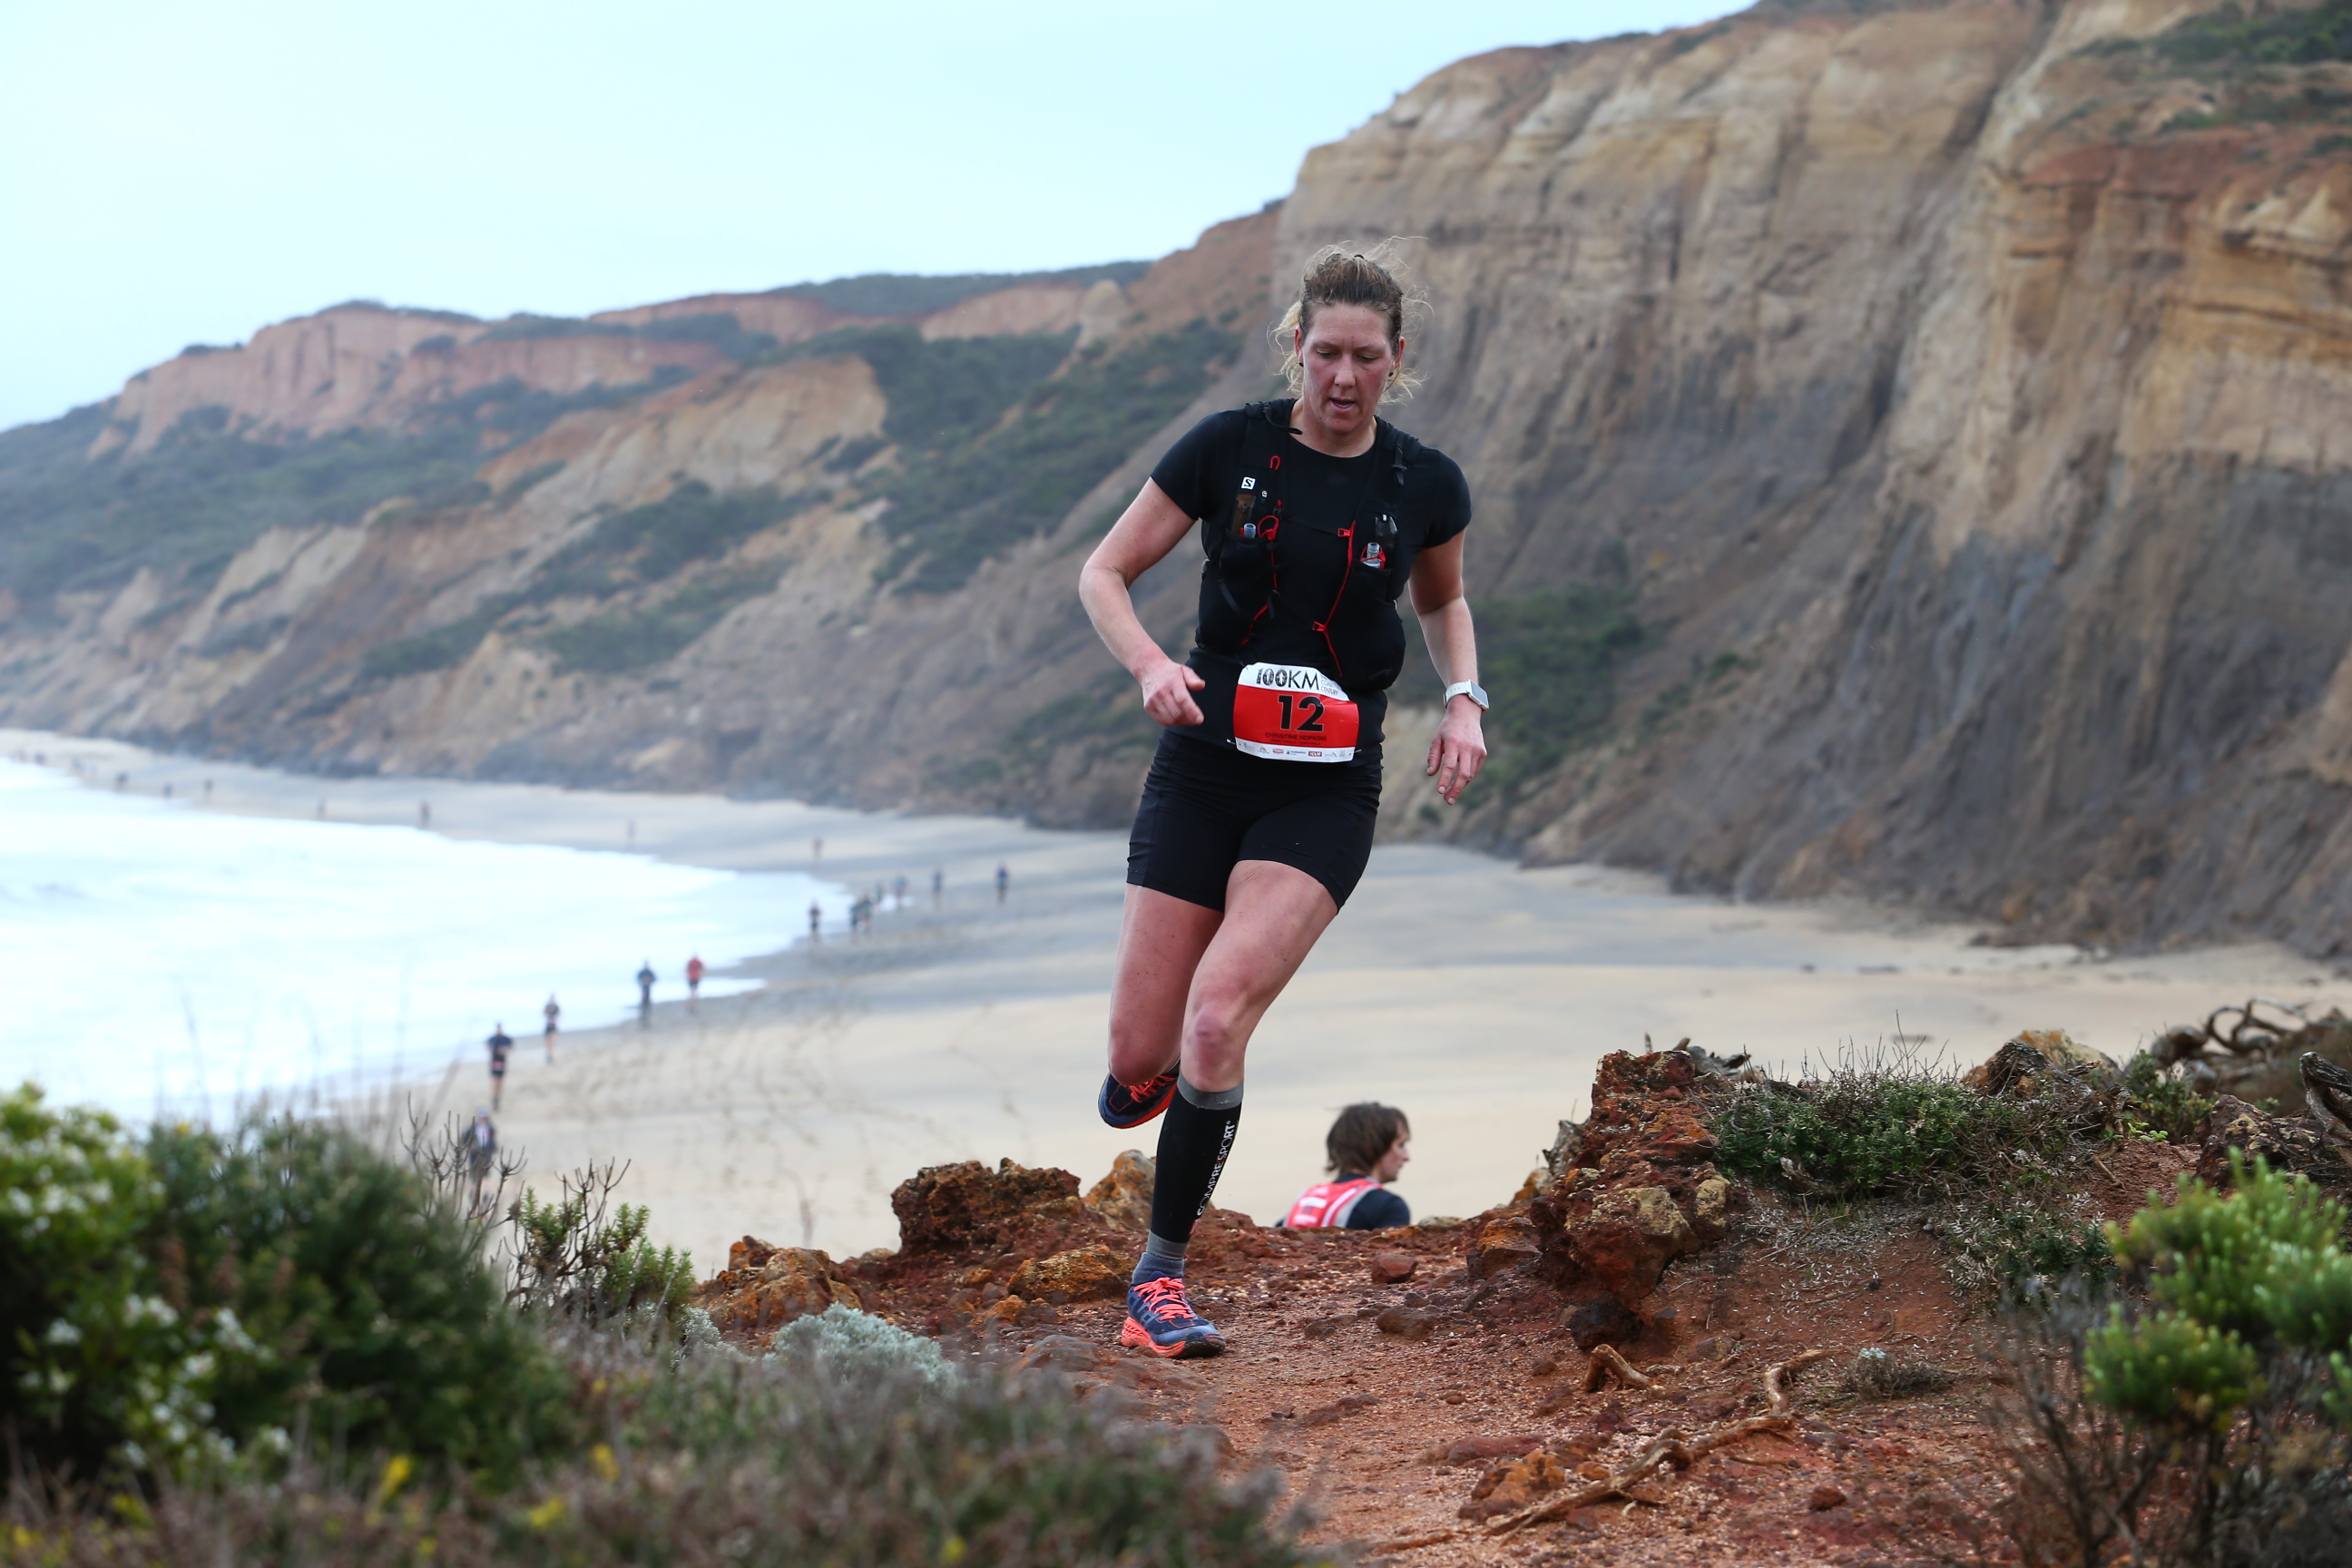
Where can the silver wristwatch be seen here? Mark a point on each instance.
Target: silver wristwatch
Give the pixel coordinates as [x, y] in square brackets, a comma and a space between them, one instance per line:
[1470, 688]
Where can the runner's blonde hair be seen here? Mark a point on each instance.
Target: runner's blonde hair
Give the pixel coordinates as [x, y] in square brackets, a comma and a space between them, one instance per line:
[1339, 275]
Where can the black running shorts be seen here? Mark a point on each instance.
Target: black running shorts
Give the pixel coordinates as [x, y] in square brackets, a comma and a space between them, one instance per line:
[1207, 807]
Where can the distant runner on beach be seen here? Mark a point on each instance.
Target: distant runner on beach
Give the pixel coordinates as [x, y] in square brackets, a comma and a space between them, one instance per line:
[481, 1155]
[1004, 880]
[553, 1015]
[500, 1043]
[646, 978]
[1365, 1151]
[694, 984]
[816, 919]
[1257, 813]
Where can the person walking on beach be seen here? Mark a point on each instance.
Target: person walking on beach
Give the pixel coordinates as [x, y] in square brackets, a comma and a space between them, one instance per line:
[1364, 1151]
[1257, 813]
[553, 1015]
[481, 1156]
[816, 920]
[694, 984]
[1005, 872]
[938, 885]
[646, 978]
[500, 1042]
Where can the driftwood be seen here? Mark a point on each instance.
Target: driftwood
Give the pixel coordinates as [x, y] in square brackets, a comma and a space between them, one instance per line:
[1671, 1448]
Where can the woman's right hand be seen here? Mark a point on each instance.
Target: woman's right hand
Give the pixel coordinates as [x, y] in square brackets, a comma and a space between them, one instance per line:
[1168, 689]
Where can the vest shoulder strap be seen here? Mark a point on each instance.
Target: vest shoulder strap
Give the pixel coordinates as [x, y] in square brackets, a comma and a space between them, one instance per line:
[1402, 450]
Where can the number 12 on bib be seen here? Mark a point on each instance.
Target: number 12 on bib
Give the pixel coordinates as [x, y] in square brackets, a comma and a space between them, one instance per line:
[1293, 714]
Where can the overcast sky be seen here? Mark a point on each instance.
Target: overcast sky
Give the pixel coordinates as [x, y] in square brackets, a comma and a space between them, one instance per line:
[182, 173]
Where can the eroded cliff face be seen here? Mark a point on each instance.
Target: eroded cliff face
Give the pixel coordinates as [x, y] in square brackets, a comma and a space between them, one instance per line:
[1957, 392]
[1967, 405]
[697, 577]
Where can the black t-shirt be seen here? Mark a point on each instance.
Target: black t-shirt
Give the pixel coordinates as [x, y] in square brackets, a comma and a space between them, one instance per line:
[1320, 495]
[1378, 1209]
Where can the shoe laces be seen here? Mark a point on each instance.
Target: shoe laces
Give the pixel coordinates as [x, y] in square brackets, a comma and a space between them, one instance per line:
[1165, 1296]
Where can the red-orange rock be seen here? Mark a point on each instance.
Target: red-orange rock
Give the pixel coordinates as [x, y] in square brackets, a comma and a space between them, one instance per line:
[749, 1253]
[1502, 1240]
[949, 1208]
[1086, 1274]
[1394, 1268]
[790, 1282]
[1629, 1238]
[1123, 1196]
[1513, 1485]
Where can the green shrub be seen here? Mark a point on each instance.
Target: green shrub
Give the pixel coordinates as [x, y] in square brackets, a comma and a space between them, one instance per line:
[653, 543]
[913, 294]
[2168, 1368]
[1877, 1127]
[849, 1347]
[622, 641]
[377, 1323]
[2020, 1242]
[2207, 1423]
[2159, 1104]
[2269, 35]
[445, 646]
[987, 483]
[2265, 1262]
[861, 1463]
[1555, 655]
[187, 506]
[215, 1297]
[94, 1358]
[585, 1260]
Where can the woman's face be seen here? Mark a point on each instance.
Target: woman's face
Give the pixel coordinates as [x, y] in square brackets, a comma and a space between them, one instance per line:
[1391, 1163]
[1349, 360]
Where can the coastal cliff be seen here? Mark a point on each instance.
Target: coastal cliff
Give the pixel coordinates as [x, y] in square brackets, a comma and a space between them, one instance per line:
[1927, 417]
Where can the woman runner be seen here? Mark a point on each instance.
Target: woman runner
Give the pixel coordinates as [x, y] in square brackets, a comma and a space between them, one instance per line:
[1257, 813]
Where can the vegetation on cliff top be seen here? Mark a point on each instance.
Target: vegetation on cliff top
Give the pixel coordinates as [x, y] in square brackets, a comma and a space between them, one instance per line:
[977, 488]
[206, 491]
[275, 1345]
[909, 294]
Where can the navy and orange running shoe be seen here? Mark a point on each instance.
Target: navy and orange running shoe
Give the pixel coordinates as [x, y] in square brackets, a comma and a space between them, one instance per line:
[1132, 1105]
[1161, 1320]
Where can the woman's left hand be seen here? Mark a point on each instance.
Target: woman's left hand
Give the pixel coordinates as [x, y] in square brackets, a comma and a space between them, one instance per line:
[1459, 751]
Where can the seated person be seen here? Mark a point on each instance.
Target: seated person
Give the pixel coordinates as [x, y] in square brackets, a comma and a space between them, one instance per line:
[1367, 1149]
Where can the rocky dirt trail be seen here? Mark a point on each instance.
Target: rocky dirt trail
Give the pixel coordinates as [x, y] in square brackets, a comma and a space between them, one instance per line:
[1416, 1389]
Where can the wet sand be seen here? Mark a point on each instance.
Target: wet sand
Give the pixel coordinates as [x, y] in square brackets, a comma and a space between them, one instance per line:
[1475, 995]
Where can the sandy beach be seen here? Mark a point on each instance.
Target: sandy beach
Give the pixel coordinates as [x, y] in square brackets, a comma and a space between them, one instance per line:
[1473, 994]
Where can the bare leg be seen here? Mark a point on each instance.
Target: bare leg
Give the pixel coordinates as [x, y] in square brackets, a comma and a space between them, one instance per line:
[1274, 915]
[1160, 940]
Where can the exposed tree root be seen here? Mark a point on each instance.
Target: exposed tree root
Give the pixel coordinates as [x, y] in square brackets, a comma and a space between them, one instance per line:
[1671, 1448]
[1605, 1361]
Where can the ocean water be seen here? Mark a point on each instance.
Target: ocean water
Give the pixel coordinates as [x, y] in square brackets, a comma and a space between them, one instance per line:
[158, 957]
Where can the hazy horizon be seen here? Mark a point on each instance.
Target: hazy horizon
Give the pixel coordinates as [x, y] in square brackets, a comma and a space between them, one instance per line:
[205, 173]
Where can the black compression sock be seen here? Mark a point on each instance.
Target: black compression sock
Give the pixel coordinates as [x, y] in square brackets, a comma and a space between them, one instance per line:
[1195, 1136]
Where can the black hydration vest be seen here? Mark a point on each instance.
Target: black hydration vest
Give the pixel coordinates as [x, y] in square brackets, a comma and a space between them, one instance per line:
[1241, 581]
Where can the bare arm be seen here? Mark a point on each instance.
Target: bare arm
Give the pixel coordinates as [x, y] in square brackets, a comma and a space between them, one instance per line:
[1144, 532]
[1459, 749]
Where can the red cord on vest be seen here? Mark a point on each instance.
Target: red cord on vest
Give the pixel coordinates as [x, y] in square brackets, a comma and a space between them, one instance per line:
[1348, 534]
